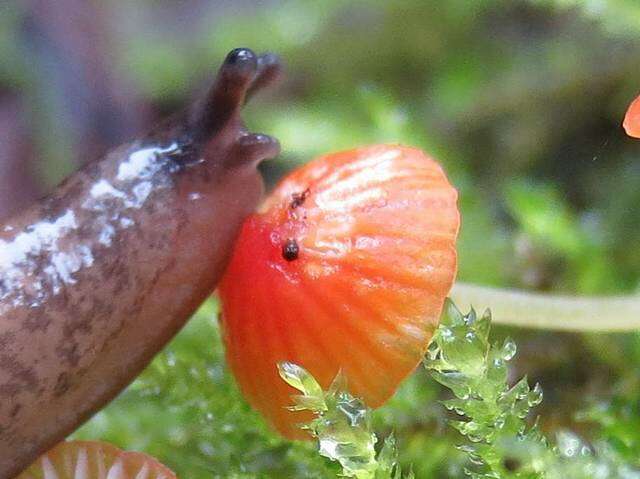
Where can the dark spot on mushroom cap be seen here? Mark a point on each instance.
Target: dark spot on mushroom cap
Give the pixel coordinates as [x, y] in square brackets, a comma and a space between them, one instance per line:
[290, 250]
[297, 199]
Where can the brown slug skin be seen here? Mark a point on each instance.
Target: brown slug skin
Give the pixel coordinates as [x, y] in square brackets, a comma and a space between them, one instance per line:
[96, 278]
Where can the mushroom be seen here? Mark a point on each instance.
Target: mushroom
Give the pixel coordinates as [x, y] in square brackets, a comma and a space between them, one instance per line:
[345, 268]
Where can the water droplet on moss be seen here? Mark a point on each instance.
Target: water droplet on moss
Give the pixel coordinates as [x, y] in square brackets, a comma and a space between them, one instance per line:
[509, 350]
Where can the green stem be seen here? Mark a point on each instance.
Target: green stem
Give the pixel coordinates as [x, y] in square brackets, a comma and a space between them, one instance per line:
[554, 312]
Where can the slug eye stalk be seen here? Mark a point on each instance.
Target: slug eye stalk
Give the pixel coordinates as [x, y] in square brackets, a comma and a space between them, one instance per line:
[215, 119]
[240, 76]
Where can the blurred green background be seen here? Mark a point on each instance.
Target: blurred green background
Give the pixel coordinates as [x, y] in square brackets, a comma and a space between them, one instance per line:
[521, 101]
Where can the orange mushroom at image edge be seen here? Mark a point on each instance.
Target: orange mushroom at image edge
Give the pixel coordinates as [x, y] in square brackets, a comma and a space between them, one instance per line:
[95, 460]
[345, 267]
[631, 123]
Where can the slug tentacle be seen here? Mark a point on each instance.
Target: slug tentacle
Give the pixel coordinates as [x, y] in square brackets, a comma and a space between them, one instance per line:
[269, 71]
[227, 95]
[253, 147]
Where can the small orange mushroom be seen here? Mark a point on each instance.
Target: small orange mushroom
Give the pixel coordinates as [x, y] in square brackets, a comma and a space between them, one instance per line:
[346, 267]
[95, 460]
[631, 123]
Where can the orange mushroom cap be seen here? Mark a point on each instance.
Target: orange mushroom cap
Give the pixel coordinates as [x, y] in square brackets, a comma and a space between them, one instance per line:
[95, 460]
[346, 267]
[631, 123]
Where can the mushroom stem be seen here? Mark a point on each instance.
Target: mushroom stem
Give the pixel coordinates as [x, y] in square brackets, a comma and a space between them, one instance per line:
[554, 312]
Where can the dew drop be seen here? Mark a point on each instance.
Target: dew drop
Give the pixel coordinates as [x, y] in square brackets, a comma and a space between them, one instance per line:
[508, 350]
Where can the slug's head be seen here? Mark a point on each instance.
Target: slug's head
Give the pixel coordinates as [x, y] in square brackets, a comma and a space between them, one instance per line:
[213, 158]
[209, 144]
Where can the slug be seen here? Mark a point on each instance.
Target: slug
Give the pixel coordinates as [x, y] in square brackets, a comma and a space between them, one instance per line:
[97, 277]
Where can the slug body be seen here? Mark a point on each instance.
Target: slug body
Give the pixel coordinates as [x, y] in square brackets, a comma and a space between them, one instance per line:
[96, 278]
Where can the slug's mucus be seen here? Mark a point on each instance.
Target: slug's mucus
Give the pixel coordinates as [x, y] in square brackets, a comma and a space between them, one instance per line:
[96, 278]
